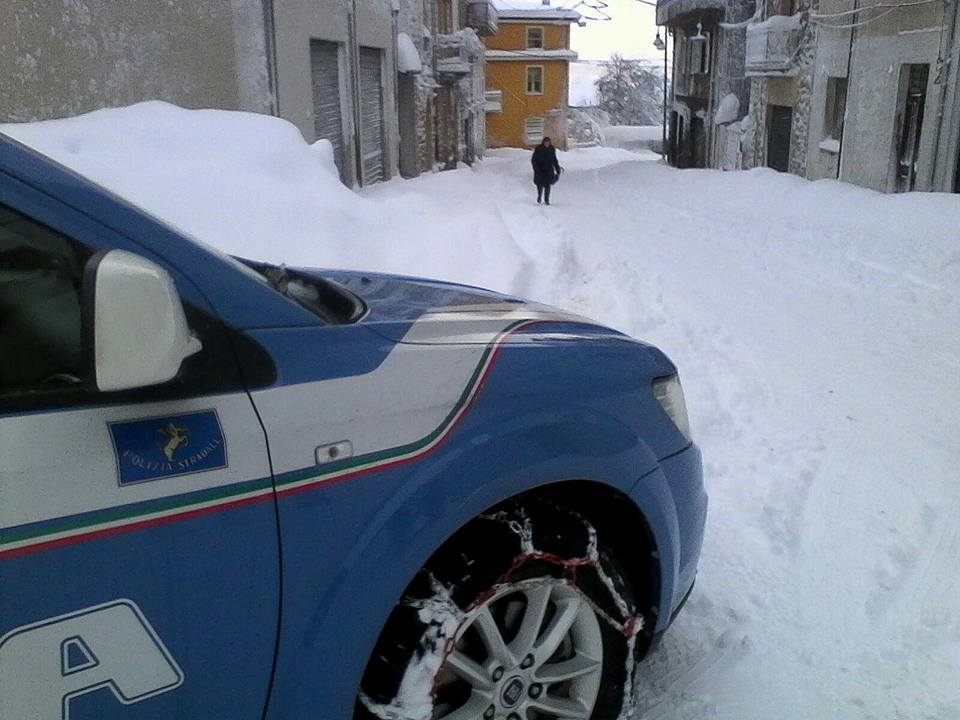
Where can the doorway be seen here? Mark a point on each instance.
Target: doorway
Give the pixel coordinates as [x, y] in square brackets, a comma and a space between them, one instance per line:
[674, 138]
[372, 161]
[698, 142]
[407, 111]
[956, 174]
[913, 91]
[779, 130]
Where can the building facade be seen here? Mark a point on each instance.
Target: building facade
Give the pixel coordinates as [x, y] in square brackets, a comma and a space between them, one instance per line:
[528, 76]
[709, 94]
[61, 59]
[396, 87]
[898, 75]
[447, 99]
[836, 89]
[336, 76]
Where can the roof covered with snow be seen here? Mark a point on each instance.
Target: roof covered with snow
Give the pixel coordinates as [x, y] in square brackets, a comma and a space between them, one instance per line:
[535, 10]
[560, 54]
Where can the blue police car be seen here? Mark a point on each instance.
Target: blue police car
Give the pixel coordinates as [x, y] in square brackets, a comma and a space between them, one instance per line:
[237, 490]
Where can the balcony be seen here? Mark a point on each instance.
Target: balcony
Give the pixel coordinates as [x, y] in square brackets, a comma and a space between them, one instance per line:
[482, 17]
[772, 46]
[455, 55]
[670, 11]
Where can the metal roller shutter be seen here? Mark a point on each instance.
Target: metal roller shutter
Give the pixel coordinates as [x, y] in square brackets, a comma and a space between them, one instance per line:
[327, 114]
[371, 115]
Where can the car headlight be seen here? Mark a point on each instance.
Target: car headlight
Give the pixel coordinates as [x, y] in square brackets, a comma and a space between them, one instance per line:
[669, 394]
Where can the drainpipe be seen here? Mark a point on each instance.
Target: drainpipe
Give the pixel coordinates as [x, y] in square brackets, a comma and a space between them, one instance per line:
[395, 84]
[947, 70]
[270, 43]
[846, 107]
[353, 51]
[663, 146]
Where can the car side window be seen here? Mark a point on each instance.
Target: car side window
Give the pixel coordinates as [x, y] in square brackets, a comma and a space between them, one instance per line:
[40, 327]
[42, 358]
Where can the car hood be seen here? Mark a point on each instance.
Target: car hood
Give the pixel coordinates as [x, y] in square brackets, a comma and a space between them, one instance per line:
[446, 312]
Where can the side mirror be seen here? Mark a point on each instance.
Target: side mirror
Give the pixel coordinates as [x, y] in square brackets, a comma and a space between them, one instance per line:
[136, 333]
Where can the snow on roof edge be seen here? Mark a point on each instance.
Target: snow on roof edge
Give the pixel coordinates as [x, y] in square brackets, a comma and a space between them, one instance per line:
[534, 10]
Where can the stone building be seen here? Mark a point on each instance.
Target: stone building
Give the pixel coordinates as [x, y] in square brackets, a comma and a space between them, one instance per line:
[394, 85]
[885, 107]
[709, 94]
[842, 89]
[447, 100]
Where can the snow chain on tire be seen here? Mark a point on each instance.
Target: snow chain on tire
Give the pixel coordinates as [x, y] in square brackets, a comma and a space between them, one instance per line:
[514, 543]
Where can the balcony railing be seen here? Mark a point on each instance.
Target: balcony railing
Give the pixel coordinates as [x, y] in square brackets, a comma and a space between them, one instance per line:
[772, 46]
[482, 17]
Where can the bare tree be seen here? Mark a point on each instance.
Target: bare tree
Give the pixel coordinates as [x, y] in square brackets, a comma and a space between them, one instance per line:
[630, 92]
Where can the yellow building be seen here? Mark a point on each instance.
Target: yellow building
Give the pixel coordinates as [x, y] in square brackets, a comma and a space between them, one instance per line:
[528, 75]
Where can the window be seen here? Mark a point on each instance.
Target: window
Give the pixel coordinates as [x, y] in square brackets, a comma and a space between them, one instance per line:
[698, 54]
[40, 274]
[534, 80]
[42, 358]
[445, 17]
[533, 130]
[534, 38]
[785, 7]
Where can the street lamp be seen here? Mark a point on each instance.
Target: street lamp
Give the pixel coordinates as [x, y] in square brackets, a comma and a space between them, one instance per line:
[661, 44]
[699, 37]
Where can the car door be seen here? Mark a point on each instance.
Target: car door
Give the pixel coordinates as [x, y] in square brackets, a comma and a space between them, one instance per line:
[138, 541]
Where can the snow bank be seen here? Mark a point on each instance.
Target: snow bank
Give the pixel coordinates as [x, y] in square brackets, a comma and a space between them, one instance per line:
[778, 23]
[408, 57]
[634, 137]
[632, 133]
[728, 109]
[246, 183]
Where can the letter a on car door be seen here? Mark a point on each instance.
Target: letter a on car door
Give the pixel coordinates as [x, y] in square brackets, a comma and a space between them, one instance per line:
[108, 646]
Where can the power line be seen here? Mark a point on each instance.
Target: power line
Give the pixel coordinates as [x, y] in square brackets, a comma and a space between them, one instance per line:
[866, 8]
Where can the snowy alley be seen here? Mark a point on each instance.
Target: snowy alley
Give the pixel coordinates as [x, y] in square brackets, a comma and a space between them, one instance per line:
[815, 326]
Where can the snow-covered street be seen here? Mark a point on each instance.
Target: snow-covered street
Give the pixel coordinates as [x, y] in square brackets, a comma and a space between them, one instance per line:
[816, 327]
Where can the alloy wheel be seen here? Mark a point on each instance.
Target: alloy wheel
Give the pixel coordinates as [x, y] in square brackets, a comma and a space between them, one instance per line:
[532, 651]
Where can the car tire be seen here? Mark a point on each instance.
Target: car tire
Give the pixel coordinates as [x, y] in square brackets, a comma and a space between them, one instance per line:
[524, 614]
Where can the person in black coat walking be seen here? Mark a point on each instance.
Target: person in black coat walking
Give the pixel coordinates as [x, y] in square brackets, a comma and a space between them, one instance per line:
[546, 169]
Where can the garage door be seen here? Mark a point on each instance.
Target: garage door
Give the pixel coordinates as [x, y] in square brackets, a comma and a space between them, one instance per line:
[327, 116]
[371, 115]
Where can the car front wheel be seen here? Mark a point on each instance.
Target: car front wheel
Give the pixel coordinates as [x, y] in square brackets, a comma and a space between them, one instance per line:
[524, 615]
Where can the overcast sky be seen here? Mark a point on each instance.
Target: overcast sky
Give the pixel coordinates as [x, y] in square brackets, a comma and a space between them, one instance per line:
[630, 32]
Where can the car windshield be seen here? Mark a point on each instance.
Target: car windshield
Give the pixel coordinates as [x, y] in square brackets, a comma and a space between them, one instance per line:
[326, 298]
